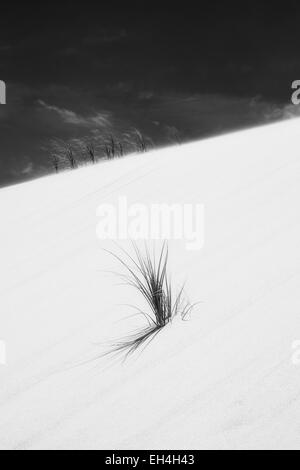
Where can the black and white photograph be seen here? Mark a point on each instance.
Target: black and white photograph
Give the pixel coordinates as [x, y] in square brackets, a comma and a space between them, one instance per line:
[149, 228]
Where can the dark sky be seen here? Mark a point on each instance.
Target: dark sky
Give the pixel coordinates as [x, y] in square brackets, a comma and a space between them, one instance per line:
[77, 71]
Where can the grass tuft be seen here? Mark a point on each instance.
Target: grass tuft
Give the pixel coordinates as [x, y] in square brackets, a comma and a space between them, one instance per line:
[148, 274]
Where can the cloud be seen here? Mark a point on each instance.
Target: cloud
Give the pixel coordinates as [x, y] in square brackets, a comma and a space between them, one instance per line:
[105, 36]
[71, 117]
[146, 95]
[28, 168]
[198, 115]
[5, 47]
[289, 111]
[69, 51]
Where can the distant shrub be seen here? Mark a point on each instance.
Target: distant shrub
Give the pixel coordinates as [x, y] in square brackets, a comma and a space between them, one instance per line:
[77, 151]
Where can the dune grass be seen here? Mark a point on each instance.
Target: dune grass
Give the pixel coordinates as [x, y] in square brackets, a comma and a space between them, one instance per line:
[148, 274]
